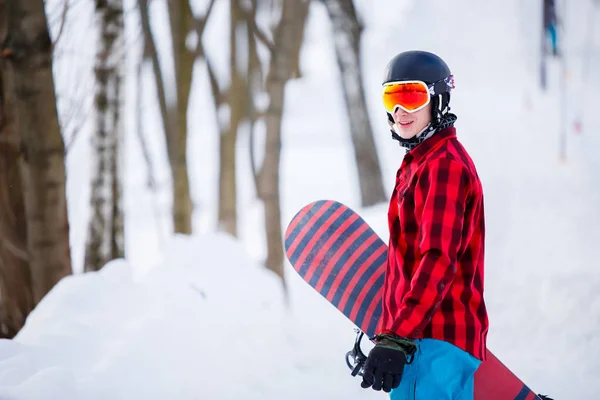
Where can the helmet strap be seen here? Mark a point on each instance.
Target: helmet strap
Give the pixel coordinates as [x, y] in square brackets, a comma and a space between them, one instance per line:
[440, 107]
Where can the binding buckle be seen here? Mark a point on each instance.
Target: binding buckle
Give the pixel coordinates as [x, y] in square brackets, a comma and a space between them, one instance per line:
[355, 358]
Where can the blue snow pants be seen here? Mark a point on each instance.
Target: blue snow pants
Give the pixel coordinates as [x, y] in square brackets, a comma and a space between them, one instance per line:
[439, 371]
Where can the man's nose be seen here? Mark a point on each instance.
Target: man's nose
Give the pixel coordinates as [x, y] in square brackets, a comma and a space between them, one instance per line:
[399, 113]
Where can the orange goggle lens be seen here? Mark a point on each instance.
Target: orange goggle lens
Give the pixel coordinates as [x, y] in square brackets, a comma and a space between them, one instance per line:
[410, 96]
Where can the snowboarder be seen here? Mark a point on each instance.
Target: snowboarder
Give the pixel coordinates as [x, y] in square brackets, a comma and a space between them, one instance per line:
[434, 324]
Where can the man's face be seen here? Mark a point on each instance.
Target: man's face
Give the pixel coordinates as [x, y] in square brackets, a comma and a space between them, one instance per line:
[408, 125]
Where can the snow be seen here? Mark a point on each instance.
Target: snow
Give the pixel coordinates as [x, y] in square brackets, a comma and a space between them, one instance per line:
[199, 318]
[207, 323]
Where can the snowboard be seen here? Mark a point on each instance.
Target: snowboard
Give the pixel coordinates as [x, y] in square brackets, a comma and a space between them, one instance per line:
[337, 253]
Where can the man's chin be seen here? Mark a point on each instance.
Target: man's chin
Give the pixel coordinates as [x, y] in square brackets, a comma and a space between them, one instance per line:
[407, 134]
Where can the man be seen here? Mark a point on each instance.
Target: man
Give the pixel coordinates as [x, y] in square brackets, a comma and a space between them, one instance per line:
[432, 334]
[550, 25]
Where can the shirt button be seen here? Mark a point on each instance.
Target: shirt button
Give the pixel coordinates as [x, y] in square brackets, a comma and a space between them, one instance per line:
[441, 286]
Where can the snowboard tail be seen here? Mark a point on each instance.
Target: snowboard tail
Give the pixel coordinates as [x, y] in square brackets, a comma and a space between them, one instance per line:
[337, 253]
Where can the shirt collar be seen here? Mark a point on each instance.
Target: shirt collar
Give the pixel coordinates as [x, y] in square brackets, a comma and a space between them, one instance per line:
[426, 146]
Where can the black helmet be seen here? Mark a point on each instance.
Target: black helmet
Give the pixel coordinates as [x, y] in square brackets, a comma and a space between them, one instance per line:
[416, 65]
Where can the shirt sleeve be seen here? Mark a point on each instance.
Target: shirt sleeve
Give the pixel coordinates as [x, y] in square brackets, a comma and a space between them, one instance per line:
[441, 194]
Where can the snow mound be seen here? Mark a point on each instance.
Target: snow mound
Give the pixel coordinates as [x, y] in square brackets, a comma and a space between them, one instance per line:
[191, 328]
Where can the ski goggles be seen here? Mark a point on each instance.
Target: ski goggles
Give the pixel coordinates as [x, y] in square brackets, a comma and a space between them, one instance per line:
[412, 96]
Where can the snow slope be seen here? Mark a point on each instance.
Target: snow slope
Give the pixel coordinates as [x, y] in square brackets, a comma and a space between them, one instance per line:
[166, 323]
[208, 323]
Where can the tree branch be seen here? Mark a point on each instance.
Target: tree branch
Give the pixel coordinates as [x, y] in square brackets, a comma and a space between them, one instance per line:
[258, 33]
[255, 83]
[200, 25]
[62, 24]
[150, 49]
[219, 95]
[151, 181]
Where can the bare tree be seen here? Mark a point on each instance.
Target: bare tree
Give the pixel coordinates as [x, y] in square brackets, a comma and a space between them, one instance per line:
[29, 116]
[181, 22]
[347, 36]
[174, 116]
[16, 299]
[231, 106]
[236, 105]
[105, 240]
[283, 65]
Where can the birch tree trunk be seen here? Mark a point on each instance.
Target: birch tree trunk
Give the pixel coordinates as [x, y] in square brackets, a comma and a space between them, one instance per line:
[282, 67]
[28, 93]
[347, 34]
[105, 240]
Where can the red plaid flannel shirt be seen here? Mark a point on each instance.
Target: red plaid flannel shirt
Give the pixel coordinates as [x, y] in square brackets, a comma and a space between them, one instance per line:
[434, 277]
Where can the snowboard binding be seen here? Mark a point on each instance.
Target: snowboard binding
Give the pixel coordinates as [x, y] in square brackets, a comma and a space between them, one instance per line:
[355, 358]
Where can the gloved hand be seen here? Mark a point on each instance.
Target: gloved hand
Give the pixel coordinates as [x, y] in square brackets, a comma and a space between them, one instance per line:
[385, 364]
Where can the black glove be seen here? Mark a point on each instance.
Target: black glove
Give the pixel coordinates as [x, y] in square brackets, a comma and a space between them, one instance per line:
[385, 364]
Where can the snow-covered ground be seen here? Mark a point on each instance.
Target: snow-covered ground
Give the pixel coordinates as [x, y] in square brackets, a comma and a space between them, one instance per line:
[208, 323]
[198, 318]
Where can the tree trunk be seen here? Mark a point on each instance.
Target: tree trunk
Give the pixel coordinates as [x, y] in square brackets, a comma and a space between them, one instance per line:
[16, 299]
[182, 22]
[26, 73]
[105, 240]
[254, 84]
[174, 117]
[347, 33]
[236, 102]
[287, 34]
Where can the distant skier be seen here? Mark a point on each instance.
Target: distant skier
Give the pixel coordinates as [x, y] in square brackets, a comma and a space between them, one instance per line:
[551, 25]
[434, 324]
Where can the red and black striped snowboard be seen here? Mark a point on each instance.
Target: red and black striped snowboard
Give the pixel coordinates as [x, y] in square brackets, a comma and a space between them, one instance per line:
[337, 253]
